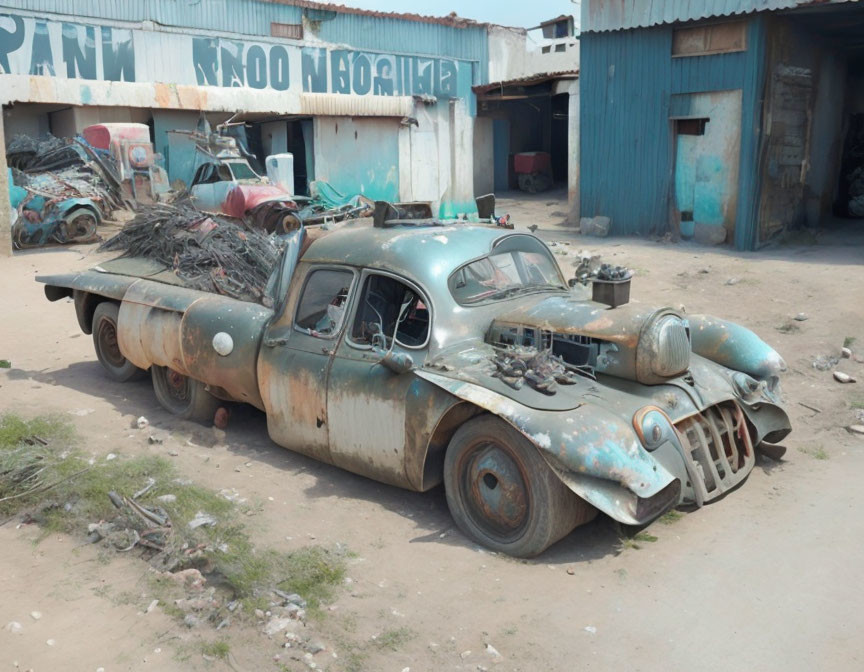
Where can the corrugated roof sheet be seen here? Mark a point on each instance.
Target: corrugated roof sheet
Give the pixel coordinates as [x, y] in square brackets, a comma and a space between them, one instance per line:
[605, 15]
[528, 80]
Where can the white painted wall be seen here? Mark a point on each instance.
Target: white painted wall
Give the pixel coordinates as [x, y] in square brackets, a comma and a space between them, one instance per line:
[507, 51]
[513, 55]
[484, 173]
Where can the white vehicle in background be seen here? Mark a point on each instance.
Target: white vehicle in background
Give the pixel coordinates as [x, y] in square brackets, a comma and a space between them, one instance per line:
[213, 181]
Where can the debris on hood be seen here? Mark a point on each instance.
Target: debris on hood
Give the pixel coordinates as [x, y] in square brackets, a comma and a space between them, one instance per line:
[542, 370]
[207, 252]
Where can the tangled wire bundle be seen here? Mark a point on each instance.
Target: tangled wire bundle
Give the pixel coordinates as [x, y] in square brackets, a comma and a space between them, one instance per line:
[207, 252]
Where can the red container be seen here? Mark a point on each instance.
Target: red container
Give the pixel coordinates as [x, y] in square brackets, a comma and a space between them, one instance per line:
[532, 162]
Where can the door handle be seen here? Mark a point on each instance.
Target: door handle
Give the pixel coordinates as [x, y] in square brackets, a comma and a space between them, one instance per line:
[275, 342]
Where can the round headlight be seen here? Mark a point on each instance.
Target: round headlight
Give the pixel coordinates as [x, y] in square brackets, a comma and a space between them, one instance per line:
[664, 349]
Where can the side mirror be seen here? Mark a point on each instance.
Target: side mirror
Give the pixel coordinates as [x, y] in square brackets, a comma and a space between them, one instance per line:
[397, 362]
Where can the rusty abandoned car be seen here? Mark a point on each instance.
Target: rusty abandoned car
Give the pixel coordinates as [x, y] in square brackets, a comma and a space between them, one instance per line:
[417, 353]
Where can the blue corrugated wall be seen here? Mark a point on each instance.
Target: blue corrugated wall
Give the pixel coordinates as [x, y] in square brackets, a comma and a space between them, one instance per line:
[627, 80]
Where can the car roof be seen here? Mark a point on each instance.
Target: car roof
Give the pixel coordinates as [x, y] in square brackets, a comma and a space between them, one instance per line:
[424, 253]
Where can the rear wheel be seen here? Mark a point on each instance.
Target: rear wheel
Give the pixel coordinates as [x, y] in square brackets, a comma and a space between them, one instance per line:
[182, 396]
[502, 493]
[107, 348]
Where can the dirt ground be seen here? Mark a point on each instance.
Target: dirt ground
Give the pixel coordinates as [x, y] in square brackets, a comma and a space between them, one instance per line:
[765, 579]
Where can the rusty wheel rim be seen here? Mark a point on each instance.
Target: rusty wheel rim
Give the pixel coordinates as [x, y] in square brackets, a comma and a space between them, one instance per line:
[177, 386]
[494, 489]
[108, 345]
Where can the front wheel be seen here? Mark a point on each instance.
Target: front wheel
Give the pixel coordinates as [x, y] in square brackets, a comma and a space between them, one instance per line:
[182, 396]
[502, 493]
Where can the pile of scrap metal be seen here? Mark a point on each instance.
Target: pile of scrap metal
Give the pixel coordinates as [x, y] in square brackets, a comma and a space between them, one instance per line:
[205, 252]
[542, 370]
[60, 191]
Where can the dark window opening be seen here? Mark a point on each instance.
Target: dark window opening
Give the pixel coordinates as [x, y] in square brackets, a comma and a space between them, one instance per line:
[691, 126]
[560, 47]
[388, 306]
[322, 307]
[546, 50]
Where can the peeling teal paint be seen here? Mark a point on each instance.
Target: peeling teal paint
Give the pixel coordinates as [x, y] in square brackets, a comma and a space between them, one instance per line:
[628, 91]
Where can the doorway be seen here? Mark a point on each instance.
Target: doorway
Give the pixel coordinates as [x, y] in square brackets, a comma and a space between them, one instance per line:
[707, 140]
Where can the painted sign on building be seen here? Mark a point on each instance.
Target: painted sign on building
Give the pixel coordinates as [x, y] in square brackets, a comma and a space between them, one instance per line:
[34, 46]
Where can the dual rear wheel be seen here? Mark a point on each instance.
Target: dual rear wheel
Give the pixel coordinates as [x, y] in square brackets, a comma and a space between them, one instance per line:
[182, 396]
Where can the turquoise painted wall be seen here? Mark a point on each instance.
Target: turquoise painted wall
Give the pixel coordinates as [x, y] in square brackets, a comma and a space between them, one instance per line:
[628, 80]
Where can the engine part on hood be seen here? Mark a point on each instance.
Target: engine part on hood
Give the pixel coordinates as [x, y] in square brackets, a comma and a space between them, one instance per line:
[541, 369]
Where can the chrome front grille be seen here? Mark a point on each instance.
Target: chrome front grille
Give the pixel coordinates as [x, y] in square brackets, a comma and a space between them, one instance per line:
[717, 450]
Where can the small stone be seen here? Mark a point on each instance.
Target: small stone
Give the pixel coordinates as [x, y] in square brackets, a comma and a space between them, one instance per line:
[167, 499]
[732, 281]
[570, 571]
[35, 615]
[151, 606]
[464, 654]
[801, 317]
[591, 629]
[276, 625]
[841, 377]
[856, 429]
[110, 456]
[50, 642]
[153, 440]
[191, 621]
[846, 352]
[259, 614]
[14, 627]
[492, 651]
[142, 422]
[705, 270]
[315, 648]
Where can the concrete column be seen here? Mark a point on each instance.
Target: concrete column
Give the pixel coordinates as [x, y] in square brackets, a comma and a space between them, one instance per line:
[573, 154]
[5, 204]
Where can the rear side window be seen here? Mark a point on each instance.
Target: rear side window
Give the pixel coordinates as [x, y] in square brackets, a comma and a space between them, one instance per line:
[322, 306]
[389, 307]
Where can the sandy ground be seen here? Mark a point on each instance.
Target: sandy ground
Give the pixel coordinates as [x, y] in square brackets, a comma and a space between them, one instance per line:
[765, 579]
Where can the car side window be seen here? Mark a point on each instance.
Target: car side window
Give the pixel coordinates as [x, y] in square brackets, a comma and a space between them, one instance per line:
[322, 306]
[388, 307]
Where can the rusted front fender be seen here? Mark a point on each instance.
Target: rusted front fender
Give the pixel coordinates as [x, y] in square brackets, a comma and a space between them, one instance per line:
[734, 346]
[593, 451]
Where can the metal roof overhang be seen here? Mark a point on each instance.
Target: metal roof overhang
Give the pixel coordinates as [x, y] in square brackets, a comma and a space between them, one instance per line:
[523, 87]
[607, 15]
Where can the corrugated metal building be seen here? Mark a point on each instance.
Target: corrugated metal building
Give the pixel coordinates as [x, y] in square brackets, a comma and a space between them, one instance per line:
[375, 103]
[730, 120]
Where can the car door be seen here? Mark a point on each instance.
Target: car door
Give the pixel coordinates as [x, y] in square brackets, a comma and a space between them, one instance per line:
[366, 401]
[202, 188]
[296, 357]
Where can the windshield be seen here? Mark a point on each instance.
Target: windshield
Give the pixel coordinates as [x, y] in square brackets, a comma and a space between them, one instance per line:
[242, 171]
[516, 265]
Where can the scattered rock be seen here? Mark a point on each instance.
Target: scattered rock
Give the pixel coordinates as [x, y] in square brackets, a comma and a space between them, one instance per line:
[141, 423]
[35, 615]
[595, 226]
[732, 281]
[190, 578]
[276, 625]
[591, 629]
[151, 606]
[154, 440]
[571, 571]
[315, 648]
[801, 317]
[825, 362]
[841, 377]
[705, 270]
[259, 614]
[50, 642]
[492, 651]
[201, 519]
[167, 499]
[846, 353]
[191, 621]
[464, 654]
[856, 429]
[14, 627]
